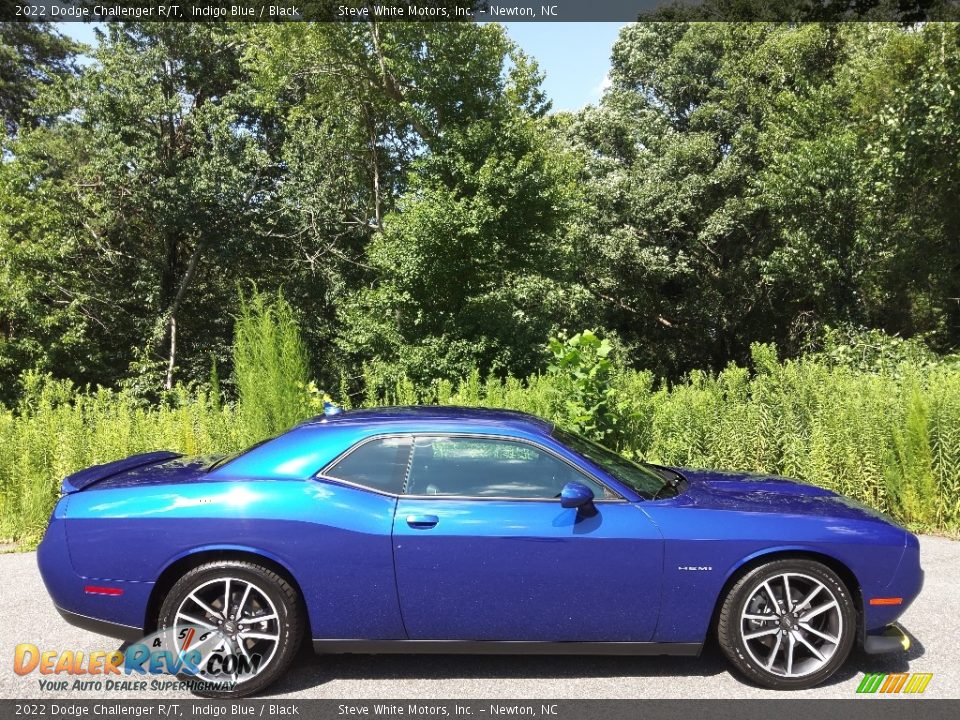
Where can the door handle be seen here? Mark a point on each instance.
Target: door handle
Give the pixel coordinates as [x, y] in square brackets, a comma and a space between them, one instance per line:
[422, 522]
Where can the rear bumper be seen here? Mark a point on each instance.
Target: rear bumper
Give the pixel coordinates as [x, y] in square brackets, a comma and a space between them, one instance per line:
[101, 627]
[70, 594]
[892, 639]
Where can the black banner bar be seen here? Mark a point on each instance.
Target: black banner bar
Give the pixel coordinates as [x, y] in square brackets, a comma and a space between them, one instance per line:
[904, 11]
[866, 708]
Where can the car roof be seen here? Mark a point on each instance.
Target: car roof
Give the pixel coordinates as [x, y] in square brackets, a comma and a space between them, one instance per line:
[314, 443]
[435, 414]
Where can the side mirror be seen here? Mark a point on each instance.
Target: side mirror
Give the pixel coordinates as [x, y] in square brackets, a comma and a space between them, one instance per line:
[575, 495]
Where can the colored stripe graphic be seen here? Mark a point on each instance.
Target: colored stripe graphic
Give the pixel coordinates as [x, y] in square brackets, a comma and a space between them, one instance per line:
[871, 682]
[913, 683]
[894, 682]
[919, 682]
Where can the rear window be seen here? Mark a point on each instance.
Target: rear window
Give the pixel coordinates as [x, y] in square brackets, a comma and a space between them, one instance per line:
[377, 464]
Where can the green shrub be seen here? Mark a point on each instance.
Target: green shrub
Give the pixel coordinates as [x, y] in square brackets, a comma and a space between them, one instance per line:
[582, 369]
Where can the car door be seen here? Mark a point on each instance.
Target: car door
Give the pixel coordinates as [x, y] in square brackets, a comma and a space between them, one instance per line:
[484, 551]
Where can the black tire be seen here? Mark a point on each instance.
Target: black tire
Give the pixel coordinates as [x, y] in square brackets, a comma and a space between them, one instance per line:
[732, 627]
[288, 625]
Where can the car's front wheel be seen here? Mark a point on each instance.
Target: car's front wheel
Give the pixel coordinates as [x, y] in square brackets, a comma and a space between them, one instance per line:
[788, 624]
[237, 624]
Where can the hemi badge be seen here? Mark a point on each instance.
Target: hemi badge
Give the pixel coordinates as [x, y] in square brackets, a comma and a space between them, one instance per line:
[99, 590]
[886, 601]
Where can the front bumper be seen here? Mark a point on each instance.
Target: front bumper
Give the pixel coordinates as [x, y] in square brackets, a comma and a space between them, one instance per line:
[906, 584]
[892, 639]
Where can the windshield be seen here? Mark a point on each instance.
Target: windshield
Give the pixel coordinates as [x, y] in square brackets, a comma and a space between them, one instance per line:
[645, 481]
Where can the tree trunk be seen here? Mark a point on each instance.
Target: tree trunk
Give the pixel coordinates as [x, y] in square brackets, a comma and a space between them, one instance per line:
[174, 307]
[173, 352]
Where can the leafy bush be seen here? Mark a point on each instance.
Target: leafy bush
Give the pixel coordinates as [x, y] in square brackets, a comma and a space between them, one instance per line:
[581, 368]
[873, 350]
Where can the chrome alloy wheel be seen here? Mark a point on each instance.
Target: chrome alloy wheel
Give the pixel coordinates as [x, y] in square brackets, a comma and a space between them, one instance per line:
[791, 625]
[234, 617]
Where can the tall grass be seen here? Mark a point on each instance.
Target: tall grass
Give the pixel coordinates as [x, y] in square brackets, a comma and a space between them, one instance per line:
[889, 438]
[57, 430]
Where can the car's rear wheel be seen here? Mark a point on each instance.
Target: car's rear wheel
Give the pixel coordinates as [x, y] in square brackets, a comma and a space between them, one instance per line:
[788, 624]
[236, 623]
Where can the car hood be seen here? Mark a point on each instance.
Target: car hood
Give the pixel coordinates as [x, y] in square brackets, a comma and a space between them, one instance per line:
[756, 492]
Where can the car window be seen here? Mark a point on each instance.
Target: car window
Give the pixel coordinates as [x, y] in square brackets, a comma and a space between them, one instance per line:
[378, 464]
[487, 467]
[648, 483]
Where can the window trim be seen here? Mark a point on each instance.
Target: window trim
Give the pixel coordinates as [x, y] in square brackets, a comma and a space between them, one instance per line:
[322, 473]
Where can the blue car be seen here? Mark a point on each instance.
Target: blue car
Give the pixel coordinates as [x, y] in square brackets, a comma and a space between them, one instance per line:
[455, 530]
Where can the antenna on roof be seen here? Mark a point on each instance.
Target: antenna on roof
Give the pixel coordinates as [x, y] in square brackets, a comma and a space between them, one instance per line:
[330, 408]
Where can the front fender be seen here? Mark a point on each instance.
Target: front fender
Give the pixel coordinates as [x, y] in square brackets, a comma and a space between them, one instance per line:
[707, 548]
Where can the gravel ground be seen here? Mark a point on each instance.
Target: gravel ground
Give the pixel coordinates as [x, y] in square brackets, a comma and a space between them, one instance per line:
[933, 622]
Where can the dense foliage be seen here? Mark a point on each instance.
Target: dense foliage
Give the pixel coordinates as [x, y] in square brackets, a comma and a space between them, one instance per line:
[758, 182]
[425, 213]
[430, 223]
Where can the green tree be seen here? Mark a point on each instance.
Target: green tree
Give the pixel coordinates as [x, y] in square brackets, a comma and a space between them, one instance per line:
[126, 219]
[344, 135]
[406, 186]
[469, 268]
[752, 182]
[910, 97]
[32, 56]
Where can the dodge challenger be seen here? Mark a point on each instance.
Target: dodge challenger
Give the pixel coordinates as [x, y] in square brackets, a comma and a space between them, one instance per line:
[456, 530]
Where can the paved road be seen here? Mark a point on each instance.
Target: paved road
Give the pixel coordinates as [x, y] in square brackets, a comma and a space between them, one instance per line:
[27, 615]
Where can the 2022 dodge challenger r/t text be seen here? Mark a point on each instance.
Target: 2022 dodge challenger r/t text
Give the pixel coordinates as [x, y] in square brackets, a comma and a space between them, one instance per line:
[437, 529]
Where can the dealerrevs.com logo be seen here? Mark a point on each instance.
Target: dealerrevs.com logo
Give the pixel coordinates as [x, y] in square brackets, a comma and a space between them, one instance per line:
[889, 683]
[201, 660]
